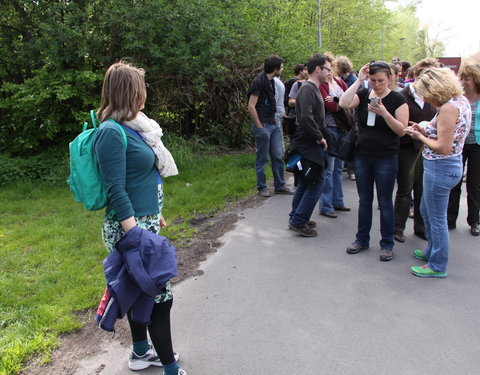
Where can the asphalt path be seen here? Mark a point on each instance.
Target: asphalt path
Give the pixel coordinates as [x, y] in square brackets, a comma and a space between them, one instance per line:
[273, 303]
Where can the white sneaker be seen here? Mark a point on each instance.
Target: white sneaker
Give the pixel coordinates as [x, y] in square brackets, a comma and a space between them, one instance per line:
[181, 372]
[150, 358]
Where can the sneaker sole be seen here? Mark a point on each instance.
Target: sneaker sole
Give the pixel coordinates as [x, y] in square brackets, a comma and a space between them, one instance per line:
[134, 366]
[421, 258]
[356, 251]
[441, 275]
[383, 259]
[137, 365]
[291, 227]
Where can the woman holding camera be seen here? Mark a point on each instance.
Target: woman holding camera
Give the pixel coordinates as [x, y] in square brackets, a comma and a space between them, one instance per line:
[443, 138]
[382, 119]
[332, 193]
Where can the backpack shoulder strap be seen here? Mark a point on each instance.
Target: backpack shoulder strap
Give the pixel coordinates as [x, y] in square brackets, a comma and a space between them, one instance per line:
[95, 123]
[121, 131]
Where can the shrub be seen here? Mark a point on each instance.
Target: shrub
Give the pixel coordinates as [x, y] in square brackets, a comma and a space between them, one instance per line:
[51, 166]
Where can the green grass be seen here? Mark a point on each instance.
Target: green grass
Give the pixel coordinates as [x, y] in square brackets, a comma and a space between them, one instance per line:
[51, 250]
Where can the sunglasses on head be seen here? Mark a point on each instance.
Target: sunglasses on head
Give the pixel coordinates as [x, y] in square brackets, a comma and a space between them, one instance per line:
[379, 64]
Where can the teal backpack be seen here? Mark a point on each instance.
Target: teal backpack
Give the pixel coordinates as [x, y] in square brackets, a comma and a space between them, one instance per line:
[85, 178]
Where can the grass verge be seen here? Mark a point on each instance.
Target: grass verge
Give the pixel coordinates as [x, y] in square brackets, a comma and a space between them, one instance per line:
[51, 249]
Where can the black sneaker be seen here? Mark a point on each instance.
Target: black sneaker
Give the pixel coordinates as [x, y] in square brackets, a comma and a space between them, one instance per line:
[355, 248]
[304, 231]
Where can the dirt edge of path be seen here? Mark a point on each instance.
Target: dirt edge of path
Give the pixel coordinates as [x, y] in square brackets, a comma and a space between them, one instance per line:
[83, 343]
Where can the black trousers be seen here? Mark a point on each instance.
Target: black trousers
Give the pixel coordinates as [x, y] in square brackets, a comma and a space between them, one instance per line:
[471, 156]
[409, 177]
[159, 330]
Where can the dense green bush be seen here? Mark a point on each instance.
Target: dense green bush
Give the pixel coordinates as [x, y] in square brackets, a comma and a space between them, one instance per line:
[200, 56]
[51, 167]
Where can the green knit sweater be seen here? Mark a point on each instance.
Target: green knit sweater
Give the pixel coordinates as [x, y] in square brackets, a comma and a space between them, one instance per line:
[131, 177]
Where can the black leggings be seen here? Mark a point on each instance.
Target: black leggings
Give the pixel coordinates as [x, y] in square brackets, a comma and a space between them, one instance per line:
[159, 330]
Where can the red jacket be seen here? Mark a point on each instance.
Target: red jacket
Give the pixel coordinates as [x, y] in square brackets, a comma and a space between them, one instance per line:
[331, 106]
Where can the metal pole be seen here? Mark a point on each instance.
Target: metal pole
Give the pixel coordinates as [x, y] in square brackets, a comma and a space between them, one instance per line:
[319, 25]
[383, 30]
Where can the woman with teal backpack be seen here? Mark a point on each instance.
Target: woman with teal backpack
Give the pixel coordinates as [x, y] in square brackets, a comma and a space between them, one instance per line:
[133, 180]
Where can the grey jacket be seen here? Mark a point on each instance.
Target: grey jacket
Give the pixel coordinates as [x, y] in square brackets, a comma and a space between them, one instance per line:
[310, 123]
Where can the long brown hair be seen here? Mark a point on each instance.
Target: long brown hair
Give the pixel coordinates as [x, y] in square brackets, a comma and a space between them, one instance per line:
[123, 92]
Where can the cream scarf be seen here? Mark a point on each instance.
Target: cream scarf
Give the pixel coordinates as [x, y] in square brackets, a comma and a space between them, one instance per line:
[152, 133]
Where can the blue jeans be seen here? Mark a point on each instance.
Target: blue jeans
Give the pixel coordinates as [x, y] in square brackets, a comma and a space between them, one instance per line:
[305, 200]
[381, 172]
[332, 194]
[439, 177]
[269, 142]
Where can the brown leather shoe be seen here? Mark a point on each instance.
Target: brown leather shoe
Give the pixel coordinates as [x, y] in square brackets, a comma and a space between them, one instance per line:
[331, 215]
[398, 236]
[343, 208]
[311, 223]
[304, 231]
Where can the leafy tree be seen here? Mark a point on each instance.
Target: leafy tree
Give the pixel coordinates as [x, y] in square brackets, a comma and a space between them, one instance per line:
[200, 56]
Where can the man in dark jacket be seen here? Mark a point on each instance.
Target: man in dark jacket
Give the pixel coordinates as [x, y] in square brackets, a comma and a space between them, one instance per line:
[410, 167]
[310, 143]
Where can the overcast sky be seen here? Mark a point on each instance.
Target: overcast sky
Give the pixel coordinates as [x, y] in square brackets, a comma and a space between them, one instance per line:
[457, 23]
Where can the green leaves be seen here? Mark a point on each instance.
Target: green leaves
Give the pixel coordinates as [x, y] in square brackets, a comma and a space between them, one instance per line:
[53, 56]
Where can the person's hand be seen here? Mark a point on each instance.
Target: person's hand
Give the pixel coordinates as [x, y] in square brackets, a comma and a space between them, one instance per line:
[163, 223]
[322, 142]
[417, 127]
[128, 224]
[363, 74]
[329, 99]
[378, 109]
[415, 134]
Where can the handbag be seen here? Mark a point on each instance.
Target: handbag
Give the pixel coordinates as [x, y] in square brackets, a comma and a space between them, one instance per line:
[346, 145]
[345, 119]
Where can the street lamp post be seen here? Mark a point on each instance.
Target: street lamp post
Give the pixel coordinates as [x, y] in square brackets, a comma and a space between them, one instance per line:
[401, 48]
[319, 25]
